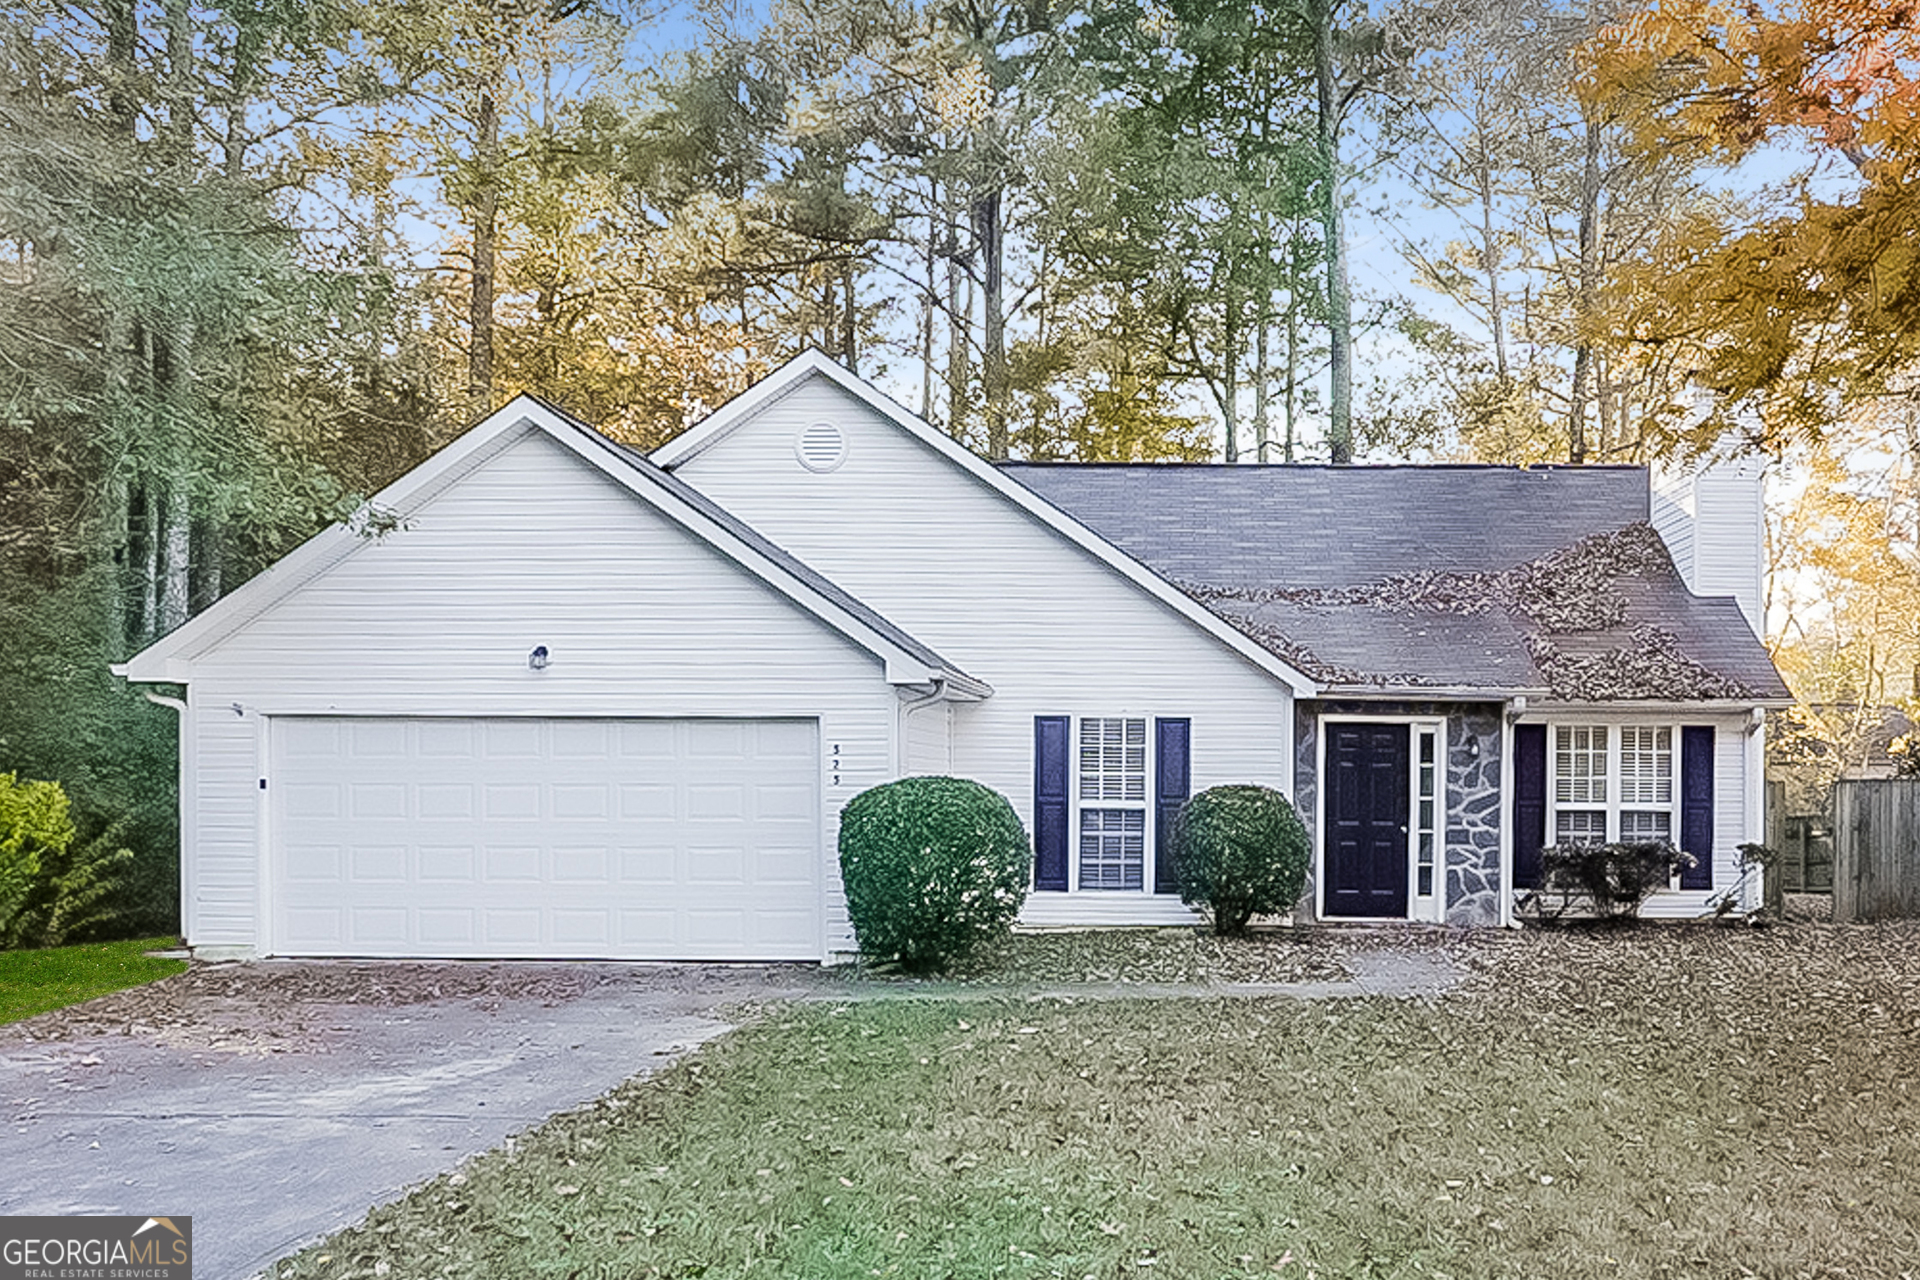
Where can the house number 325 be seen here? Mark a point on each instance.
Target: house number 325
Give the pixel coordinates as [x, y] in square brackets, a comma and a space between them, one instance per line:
[836, 764]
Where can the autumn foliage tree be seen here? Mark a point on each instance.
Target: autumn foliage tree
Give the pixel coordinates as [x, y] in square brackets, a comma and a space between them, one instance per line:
[1815, 302]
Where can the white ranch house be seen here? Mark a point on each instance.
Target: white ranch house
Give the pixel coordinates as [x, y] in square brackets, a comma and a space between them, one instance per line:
[581, 702]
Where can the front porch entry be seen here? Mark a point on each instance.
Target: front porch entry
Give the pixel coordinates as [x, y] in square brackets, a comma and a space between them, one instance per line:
[1366, 845]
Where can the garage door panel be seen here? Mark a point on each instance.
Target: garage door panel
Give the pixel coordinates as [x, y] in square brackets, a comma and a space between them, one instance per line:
[378, 864]
[510, 863]
[512, 929]
[448, 863]
[378, 739]
[379, 926]
[518, 838]
[512, 739]
[653, 865]
[451, 800]
[314, 863]
[580, 866]
[447, 926]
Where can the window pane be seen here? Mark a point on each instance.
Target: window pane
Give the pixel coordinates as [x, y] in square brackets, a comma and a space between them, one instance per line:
[1580, 764]
[1426, 882]
[1582, 826]
[1113, 848]
[1113, 759]
[1646, 765]
[1643, 825]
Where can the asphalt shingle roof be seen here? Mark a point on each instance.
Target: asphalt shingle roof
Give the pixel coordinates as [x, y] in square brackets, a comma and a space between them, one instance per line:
[1544, 580]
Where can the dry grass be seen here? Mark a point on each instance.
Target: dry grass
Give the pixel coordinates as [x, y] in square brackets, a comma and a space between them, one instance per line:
[1647, 1102]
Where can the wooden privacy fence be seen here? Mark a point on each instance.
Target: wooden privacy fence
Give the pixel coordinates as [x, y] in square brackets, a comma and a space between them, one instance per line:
[1876, 849]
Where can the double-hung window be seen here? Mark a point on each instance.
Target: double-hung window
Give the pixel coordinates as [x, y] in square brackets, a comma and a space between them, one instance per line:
[1113, 802]
[1612, 782]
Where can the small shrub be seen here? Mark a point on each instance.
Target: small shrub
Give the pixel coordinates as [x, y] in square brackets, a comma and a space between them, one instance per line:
[51, 890]
[34, 826]
[1239, 852]
[933, 867]
[1608, 881]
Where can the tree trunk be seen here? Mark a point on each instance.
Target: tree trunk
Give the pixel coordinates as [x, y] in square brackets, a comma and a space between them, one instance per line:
[1490, 256]
[993, 359]
[926, 315]
[1589, 267]
[486, 234]
[959, 341]
[1339, 297]
[176, 549]
[1260, 394]
[1230, 380]
[1293, 373]
[849, 319]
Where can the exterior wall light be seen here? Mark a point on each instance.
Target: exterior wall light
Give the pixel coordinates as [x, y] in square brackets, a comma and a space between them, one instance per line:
[537, 660]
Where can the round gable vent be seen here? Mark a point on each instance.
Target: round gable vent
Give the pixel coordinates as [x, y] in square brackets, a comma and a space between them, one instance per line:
[821, 447]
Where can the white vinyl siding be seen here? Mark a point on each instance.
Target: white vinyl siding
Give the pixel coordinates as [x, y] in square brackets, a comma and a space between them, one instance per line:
[535, 546]
[1008, 599]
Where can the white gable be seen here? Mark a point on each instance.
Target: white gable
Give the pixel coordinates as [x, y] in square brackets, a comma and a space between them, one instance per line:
[1055, 627]
[774, 400]
[907, 662]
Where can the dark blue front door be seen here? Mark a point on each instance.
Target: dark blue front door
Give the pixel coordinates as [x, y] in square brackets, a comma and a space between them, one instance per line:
[1367, 803]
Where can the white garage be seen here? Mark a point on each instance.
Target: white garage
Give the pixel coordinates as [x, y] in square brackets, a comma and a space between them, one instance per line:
[559, 706]
[575, 837]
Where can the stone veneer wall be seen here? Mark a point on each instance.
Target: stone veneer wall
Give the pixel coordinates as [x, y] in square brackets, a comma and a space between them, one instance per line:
[1474, 807]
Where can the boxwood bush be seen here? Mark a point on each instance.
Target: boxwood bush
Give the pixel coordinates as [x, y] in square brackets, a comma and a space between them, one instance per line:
[1240, 851]
[933, 867]
[1605, 881]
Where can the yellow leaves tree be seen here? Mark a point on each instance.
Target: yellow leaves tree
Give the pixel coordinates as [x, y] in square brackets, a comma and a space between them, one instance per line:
[1844, 587]
[1815, 303]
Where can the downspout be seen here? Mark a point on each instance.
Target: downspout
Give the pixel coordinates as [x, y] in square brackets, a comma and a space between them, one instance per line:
[907, 708]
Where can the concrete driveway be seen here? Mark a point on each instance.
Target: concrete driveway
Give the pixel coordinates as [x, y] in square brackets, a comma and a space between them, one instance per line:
[277, 1102]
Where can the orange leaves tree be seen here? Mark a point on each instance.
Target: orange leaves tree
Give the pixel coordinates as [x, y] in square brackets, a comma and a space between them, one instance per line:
[1811, 302]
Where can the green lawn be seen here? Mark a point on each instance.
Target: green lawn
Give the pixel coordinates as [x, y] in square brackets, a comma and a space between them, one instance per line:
[35, 981]
[1665, 1104]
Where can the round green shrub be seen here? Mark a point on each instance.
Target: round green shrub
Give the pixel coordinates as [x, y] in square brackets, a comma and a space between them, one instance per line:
[932, 867]
[1240, 852]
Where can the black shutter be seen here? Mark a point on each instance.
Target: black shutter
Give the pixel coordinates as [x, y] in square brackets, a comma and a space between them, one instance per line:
[1696, 804]
[1171, 782]
[1050, 781]
[1529, 803]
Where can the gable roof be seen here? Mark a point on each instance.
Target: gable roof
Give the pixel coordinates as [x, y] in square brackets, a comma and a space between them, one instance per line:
[907, 660]
[1462, 580]
[815, 364]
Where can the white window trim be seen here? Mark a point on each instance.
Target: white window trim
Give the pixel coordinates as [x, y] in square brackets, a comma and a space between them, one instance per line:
[1431, 910]
[1615, 804]
[1077, 802]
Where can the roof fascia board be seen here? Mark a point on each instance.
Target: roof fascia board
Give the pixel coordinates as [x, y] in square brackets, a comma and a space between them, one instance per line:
[1627, 706]
[168, 659]
[698, 439]
[1435, 693]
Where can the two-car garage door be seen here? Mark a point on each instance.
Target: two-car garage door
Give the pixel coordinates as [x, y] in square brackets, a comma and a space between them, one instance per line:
[639, 839]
